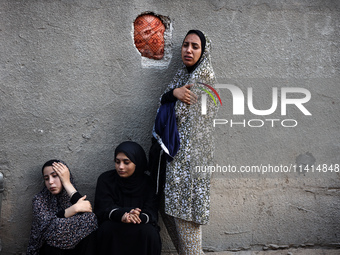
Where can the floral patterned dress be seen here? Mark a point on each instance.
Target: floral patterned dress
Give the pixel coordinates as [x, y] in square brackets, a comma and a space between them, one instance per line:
[187, 191]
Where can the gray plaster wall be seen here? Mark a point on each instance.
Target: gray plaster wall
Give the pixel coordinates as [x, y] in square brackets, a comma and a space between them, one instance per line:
[73, 86]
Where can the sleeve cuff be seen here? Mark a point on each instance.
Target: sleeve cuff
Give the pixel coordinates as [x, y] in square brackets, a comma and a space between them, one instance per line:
[168, 97]
[75, 197]
[116, 214]
[110, 214]
[61, 214]
[145, 218]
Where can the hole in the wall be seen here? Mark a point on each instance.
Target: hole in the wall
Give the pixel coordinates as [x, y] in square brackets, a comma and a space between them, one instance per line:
[149, 36]
[152, 38]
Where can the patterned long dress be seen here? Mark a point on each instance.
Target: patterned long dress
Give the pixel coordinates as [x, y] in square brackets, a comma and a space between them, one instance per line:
[187, 191]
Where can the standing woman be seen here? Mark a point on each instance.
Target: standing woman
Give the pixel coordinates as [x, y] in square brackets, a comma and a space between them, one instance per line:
[187, 191]
[63, 222]
[126, 206]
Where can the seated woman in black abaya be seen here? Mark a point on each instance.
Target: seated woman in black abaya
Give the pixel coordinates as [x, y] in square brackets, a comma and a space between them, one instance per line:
[125, 205]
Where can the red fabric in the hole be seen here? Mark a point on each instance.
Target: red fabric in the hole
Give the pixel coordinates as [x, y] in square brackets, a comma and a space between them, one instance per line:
[149, 36]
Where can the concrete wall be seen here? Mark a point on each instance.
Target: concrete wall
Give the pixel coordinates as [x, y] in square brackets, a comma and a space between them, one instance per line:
[73, 86]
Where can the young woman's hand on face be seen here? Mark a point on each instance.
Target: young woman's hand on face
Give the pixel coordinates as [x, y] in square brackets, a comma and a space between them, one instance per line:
[62, 171]
[185, 95]
[64, 176]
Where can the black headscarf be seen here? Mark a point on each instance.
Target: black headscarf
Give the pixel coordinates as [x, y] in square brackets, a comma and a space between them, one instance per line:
[136, 154]
[203, 42]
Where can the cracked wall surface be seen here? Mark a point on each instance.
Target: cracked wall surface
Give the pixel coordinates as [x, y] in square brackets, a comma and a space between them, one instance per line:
[73, 86]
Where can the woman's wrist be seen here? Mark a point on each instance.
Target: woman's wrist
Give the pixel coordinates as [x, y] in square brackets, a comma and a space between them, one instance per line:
[70, 189]
[174, 93]
[70, 211]
[72, 193]
[76, 208]
[168, 97]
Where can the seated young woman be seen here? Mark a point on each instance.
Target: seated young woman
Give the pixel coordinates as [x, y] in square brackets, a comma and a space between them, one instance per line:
[125, 205]
[63, 221]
